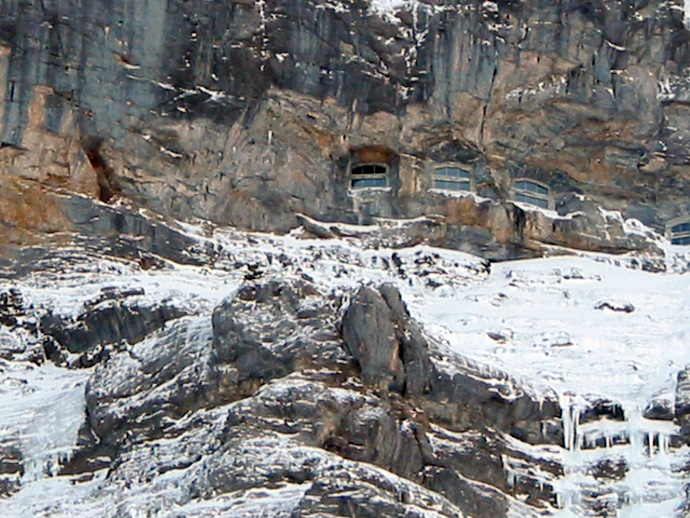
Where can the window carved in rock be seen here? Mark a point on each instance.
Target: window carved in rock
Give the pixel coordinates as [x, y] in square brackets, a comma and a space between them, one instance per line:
[532, 192]
[364, 176]
[452, 178]
[679, 231]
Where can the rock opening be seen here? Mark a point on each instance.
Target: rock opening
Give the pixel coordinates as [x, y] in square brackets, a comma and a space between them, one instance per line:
[108, 185]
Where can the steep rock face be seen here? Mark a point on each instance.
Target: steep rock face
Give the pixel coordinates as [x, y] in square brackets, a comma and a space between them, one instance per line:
[249, 112]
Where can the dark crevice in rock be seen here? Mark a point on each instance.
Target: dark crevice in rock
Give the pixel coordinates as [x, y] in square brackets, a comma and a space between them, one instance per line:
[519, 221]
[108, 184]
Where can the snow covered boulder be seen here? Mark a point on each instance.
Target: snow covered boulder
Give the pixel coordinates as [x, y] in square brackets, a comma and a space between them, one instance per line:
[660, 409]
[112, 317]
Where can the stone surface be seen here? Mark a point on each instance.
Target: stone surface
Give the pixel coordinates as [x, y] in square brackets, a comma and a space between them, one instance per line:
[251, 112]
[660, 409]
[682, 412]
[294, 396]
[11, 470]
[113, 318]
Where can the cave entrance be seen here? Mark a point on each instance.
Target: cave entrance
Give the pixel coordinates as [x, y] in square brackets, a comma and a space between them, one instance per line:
[108, 185]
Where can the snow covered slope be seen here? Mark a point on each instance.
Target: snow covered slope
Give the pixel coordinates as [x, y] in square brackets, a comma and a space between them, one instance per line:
[596, 332]
[606, 336]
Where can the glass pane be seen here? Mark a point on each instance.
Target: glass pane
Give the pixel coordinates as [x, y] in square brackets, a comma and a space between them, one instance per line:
[526, 198]
[360, 183]
[681, 227]
[452, 185]
[368, 169]
[681, 241]
[454, 172]
[526, 185]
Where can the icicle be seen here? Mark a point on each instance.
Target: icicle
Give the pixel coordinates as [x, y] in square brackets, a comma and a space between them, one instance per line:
[663, 444]
[511, 474]
[571, 420]
[636, 444]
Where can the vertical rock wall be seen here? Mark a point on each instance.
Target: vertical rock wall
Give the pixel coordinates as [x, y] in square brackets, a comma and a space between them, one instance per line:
[243, 112]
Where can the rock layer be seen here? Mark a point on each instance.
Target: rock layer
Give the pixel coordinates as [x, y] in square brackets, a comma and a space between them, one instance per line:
[250, 112]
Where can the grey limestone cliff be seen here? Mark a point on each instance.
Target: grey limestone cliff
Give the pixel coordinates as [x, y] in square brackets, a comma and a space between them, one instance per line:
[250, 112]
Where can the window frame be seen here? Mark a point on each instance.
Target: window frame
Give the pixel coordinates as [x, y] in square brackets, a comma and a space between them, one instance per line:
[440, 177]
[521, 191]
[683, 234]
[369, 176]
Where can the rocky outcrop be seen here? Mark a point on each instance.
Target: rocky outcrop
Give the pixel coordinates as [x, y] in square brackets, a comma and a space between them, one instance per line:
[291, 388]
[11, 470]
[374, 336]
[135, 391]
[682, 411]
[249, 113]
[393, 353]
[112, 318]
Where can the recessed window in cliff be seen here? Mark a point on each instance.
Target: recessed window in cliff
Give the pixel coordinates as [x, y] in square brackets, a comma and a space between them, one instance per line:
[680, 231]
[534, 193]
[364, 176]
[452, 178]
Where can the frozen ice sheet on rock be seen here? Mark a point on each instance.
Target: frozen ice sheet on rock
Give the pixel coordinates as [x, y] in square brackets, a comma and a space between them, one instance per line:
[41, 410]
